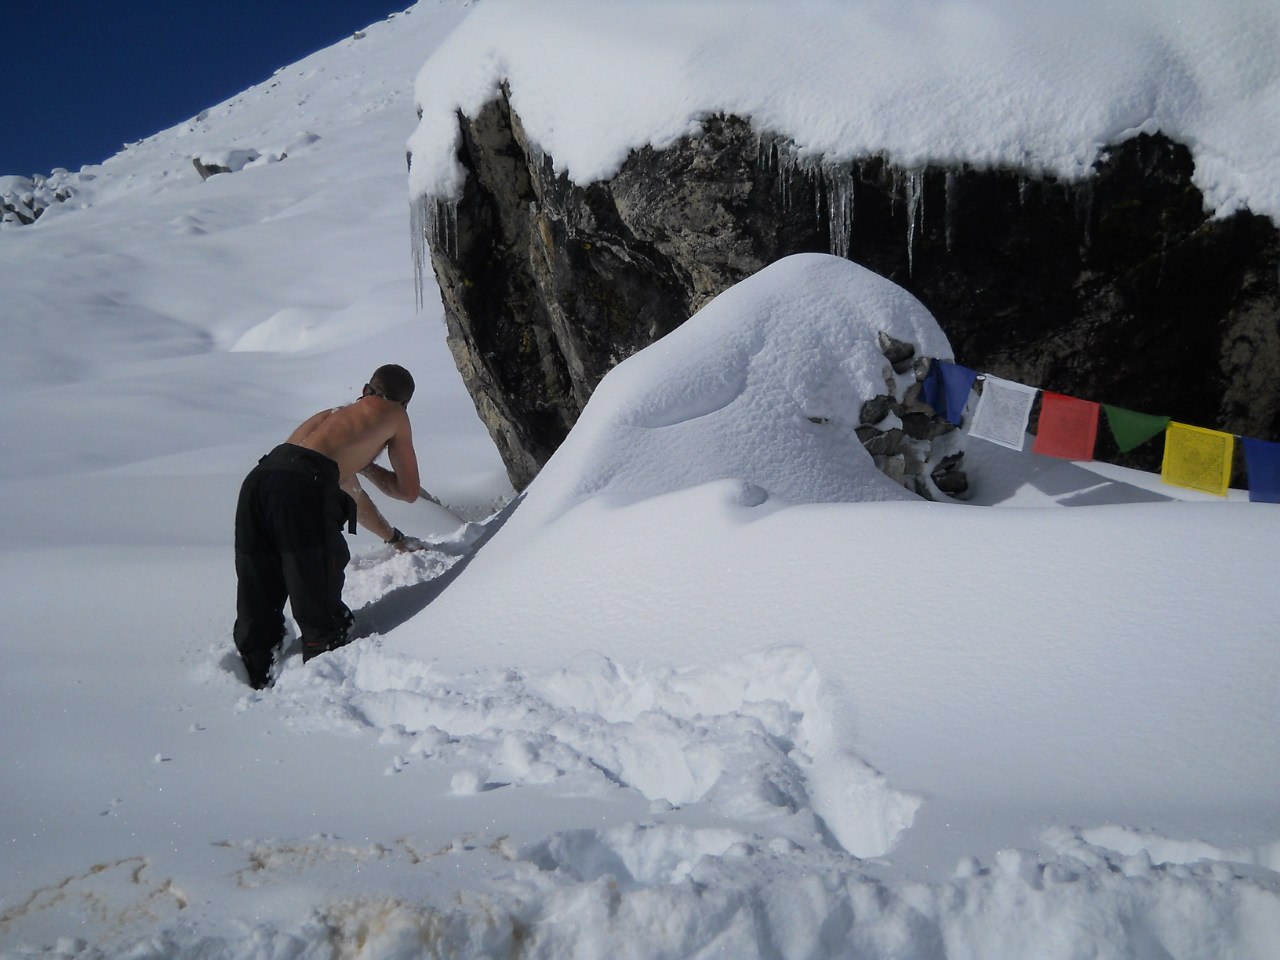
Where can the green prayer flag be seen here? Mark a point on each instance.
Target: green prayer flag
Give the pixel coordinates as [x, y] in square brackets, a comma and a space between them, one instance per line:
[1132, 429]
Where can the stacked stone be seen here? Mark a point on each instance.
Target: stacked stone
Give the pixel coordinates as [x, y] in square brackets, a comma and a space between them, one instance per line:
[906, 438]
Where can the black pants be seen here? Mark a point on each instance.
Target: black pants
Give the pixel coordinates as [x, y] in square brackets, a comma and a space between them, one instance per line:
[289, 543]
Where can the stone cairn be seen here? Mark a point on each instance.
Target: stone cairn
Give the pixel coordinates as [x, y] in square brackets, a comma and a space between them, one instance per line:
[906, 438]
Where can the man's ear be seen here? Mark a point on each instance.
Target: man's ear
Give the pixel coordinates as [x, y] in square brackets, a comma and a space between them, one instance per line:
[367, 391]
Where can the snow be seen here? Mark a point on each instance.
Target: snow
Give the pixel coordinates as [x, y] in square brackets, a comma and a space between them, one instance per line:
[765, 388]
[1039, 86]
[711, 687]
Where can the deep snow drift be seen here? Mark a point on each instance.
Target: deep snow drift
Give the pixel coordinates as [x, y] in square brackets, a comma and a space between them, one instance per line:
[668, 709]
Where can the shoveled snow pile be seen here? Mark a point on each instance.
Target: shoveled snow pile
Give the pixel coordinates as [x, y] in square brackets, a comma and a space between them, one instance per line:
[1034, 86]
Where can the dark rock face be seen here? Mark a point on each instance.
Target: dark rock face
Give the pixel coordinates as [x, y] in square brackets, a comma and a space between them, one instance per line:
[1119, 288]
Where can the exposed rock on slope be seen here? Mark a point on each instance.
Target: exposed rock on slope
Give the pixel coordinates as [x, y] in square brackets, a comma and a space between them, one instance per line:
[23, 200]
[1118, 288]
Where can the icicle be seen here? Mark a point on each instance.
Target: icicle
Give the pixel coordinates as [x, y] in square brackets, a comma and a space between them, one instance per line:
[433, 224]
[795, 175]
[952, 199]
[766, 153]
[779, 172]
[838, 180]
[915, 213]
[418, 241]
[791, 170]
[852, 205]
[831, 183]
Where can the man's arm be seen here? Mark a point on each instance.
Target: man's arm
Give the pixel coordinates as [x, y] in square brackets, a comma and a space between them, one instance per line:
[402, 481]
[370, 517]
[367, 513]
[386, 481]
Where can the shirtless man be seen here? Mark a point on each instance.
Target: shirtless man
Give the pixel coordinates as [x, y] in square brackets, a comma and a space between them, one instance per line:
[292, 509]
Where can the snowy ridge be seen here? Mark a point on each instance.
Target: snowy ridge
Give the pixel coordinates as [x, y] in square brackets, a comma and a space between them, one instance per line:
[332, 93]
[1040, 87]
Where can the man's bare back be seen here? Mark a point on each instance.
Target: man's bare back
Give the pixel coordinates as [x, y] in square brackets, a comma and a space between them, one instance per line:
[353, 436]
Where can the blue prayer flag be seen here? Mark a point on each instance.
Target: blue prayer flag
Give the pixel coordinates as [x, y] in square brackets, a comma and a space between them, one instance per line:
[931, 388]
[1262, 459]
[946, 388]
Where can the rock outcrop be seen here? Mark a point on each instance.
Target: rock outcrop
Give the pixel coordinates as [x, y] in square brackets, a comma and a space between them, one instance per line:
[1120, 287]
[23, 200]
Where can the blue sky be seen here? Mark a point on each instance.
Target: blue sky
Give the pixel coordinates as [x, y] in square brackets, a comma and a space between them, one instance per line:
[79, 78]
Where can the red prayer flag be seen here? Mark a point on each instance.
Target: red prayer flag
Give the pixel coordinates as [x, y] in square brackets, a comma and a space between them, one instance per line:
[1068, 427]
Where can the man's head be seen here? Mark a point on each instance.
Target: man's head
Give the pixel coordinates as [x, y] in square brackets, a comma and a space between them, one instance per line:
[391, 382]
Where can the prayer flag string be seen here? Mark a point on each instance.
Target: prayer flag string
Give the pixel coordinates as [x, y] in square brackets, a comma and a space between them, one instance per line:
[1194, 457]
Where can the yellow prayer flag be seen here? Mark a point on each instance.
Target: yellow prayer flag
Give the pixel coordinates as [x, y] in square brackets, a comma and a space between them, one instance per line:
[1197, 458]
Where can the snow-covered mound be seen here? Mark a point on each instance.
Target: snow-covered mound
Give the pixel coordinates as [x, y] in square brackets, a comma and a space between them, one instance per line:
[1036, 86]
[764, 385]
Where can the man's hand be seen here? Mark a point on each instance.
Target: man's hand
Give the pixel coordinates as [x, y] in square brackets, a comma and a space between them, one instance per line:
[405, 544]
[367, 513]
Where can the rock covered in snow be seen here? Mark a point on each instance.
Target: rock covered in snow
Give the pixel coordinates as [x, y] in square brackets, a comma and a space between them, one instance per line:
[767, 385]
[234, 159]
[223, 161]
[23, 200]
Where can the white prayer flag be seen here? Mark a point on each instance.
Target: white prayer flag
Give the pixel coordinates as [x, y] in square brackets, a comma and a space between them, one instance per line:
[1003, 411]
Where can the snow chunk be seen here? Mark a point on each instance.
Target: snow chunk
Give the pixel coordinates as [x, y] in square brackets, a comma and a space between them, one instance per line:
[467, 781]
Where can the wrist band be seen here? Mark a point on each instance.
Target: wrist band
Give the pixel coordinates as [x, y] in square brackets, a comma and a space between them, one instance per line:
[396, 536]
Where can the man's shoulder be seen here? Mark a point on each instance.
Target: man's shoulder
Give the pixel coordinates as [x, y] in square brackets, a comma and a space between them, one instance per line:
[383, 418]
